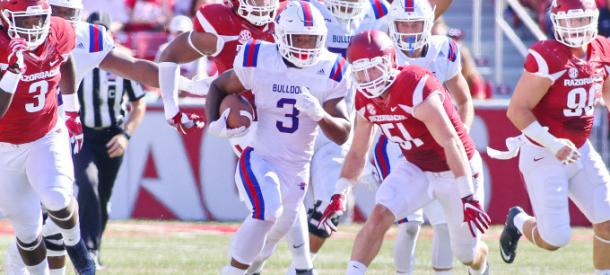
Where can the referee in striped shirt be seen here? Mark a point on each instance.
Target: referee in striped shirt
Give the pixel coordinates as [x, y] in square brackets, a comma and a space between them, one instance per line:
[107, 129]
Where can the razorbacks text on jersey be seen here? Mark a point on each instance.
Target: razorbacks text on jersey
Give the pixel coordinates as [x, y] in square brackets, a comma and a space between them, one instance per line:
[283, 133]
[33, 111]
[340, 32]
[394, 115]
[93, 43]
[440, 56]
[567, 108]
[236, 31]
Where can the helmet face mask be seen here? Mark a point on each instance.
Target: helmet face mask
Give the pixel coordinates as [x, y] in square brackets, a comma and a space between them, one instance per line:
[372, 76]
[346, 9]
[31, 24]
[300, 33]
[410, 26]
[574, 21]
[67, 9]
[258, 12]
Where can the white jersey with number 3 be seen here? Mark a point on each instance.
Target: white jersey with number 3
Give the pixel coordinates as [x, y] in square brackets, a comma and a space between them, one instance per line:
[283, 133]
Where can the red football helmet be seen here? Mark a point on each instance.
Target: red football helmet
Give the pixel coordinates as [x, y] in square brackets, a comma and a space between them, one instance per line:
[574, 21]
[257, 12]
[28, 19]
[373, 58]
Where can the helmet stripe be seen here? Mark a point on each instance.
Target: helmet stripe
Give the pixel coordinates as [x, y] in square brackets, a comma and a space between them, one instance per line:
[307, 16]
[409, 5]
[379, 8]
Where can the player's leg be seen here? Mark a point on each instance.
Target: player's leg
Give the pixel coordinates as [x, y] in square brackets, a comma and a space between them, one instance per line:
[56, 252]
[293, 183]
[404, 246]
[442, 255]
[325, 168]
[590, 191]
[259, 188]
[469, 250]
[50, 172]
[298, 243]
[403, 191]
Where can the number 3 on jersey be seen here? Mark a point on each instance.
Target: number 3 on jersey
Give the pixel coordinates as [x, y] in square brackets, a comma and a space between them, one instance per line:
[406, 141]
[38, 90]
[293, 125]
[579, 100]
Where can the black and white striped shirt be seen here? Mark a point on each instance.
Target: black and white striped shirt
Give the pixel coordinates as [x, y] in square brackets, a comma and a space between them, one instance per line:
[102, 98]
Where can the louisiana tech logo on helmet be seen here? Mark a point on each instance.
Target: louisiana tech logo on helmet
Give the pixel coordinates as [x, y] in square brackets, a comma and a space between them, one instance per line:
[244, 36]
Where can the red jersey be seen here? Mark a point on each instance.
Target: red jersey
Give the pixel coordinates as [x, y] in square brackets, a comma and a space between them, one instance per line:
[567, 107]
[33, 111]
[236, 31]
[394, 115]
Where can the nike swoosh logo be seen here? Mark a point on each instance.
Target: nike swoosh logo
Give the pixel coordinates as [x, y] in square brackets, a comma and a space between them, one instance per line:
[504, 256]
[537, 159]
[52, 63]
[297, 246]
[393, 109]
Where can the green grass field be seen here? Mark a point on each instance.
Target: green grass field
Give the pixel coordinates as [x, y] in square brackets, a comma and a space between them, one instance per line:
[143, 247]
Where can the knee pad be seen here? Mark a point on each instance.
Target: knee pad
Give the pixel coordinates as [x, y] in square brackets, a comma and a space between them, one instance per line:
[29, 246]
[411, 228]
[55, 245]
[313, 219]
[557, 236]
[55, 200]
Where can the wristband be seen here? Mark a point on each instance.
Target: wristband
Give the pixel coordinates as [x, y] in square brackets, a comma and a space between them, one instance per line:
[128, 136]
[343, 186]
[465, 186]
[70, 102]
[10, 81]
[541, 135]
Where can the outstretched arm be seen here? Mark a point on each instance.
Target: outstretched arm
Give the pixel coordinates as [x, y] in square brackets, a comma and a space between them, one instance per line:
[335, 124]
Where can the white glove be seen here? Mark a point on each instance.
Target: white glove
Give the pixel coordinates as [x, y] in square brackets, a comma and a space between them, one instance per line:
[219, 127]
[309, 105]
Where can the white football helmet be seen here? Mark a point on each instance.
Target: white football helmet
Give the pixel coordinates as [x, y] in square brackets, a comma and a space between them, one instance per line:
[574, 21]
[346, 9]
[69, 9]
[257, 12]
[298, 20]
[411, 11]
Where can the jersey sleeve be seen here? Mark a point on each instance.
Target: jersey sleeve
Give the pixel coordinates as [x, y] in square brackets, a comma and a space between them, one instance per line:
[454, 57]
[423, 84]
[339, 78]
[540, 61]
[66, 38]
[245, 63]
[201, 22]
[360, 105]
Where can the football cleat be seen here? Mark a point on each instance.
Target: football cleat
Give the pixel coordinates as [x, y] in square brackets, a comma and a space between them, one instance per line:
[510, 236]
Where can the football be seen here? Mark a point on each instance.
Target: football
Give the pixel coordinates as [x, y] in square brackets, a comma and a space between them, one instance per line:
[238, 105]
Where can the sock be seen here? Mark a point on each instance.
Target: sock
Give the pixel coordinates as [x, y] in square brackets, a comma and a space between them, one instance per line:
[442, 256]
[231, 270]
[355, 268]
[444, 272]
[41, 268]
[478, 272]
[298, 241]
[59, 271]
[602, 272]
[520, 219]
[404, 247]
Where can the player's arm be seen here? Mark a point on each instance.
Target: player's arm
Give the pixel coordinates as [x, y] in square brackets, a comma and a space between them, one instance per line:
[67, 83]
[71, 106]
[350, 172]
[10, 78]
[8, 87]
[458, 87]
[189, 46]
[432, 113]
[441, 6]
[606, 92]
[226, 83]
[357, 155]
[335, 123]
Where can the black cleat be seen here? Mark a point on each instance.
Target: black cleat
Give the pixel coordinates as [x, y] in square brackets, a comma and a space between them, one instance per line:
[81, 259]
[510, 236]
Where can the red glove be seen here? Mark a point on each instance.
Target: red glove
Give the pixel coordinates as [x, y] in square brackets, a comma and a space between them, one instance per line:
[186, 123]
[475, 215]
[75, 130]
[15, 58]
[332, 211]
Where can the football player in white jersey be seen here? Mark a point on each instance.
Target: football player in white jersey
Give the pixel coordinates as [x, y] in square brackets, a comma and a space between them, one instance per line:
[410, 25]
[299, 87]
[94, 48]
